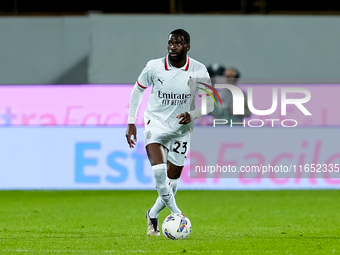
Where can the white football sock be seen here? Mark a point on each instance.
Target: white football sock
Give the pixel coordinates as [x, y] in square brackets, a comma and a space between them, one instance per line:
[164, 188]
[174, 184]
[157, 208]
[159, 205]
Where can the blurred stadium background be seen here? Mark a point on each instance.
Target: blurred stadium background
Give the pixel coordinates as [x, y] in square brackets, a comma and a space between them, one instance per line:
[67, 70]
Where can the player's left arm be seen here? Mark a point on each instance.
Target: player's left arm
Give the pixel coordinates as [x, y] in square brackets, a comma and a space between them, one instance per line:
[187, 117]
[184, 118]
[197, 113]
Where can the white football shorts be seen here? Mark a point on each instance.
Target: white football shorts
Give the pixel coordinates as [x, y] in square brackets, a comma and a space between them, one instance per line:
[176, 143]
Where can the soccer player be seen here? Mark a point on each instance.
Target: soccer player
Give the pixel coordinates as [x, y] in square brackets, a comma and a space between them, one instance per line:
[169, 117]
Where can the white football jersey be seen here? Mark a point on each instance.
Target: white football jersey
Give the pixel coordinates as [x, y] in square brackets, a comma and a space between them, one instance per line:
[173, 90]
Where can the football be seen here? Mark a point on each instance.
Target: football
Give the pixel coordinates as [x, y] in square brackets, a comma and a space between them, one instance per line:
[176, 226]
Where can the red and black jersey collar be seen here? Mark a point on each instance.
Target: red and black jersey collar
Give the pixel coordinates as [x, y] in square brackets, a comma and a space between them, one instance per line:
[168, 66]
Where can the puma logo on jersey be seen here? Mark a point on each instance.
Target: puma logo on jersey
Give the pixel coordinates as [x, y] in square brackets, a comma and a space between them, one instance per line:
[161, 81]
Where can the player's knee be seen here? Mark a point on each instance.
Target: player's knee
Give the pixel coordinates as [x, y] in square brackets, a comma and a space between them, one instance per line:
[159, 172]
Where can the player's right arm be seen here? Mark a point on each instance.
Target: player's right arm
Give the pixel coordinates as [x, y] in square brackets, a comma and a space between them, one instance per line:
[135, 100]
[131, 131]
[136, 97]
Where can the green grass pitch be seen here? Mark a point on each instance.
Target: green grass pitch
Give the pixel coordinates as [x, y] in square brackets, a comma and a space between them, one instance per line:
[223, 222]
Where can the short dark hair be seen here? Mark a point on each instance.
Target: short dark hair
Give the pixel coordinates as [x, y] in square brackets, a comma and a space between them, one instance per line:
[182, 32]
